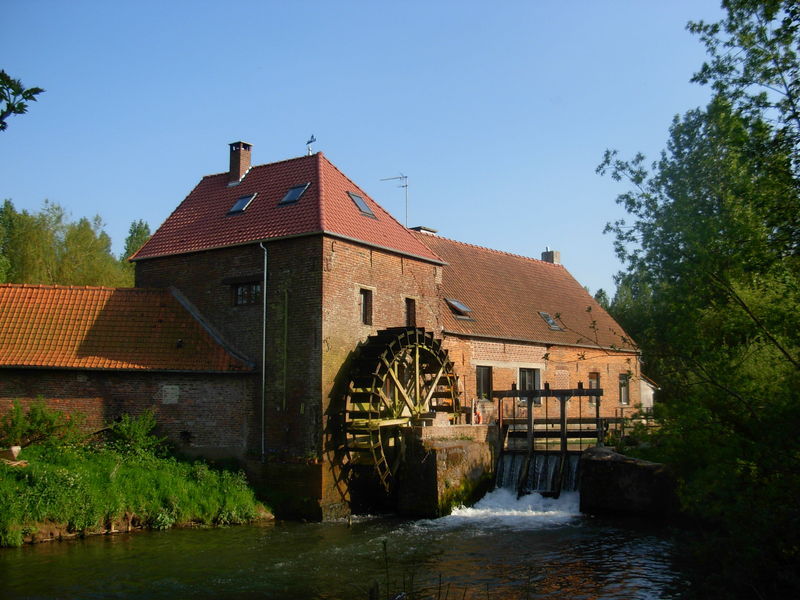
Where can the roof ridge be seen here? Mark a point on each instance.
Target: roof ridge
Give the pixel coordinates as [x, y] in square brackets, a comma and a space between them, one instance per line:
[441, 237]
[320, 190]
[90, 288]
[269, 164]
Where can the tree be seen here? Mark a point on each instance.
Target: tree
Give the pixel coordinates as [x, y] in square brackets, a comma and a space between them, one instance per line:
[47, 248]
[753, 60]
[14, 97]
[601, 296]
[138, 234]
[711, 292]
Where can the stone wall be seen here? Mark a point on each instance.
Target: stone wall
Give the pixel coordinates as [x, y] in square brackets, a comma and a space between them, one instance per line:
[612, 483]
[443, 471]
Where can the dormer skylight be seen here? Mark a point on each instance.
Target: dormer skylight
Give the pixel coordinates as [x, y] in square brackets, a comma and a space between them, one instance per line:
[362, 206]
[460, 310]
[551, 322]
[294, 193]
[241, 204]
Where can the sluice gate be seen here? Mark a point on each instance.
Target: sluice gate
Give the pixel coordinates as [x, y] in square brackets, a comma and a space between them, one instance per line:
[542, 454]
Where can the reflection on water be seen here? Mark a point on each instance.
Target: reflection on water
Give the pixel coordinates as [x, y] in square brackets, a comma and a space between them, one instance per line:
[532, 548]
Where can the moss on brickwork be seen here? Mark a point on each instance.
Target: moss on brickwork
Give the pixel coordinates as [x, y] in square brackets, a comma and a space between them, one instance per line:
[466, 493]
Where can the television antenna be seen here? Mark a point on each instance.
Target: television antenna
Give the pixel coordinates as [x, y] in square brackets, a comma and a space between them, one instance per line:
[403, 184]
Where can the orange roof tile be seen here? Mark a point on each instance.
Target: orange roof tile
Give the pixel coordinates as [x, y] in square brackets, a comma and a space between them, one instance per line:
[506, 293]
[202, 221]
[105, 328]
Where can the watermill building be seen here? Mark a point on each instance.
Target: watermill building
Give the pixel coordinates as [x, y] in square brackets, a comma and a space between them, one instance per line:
[323, 302]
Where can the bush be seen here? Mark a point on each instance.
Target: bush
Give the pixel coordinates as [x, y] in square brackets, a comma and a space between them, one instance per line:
[86, 487]
[134, 435]
[38, 424]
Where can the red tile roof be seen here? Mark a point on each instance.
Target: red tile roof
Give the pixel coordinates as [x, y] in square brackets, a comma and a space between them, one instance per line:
[506, 292]
[202, 222]
[105, 328]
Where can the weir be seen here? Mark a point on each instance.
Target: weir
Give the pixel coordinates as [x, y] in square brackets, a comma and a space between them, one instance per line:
[542, 475]
[526, 461]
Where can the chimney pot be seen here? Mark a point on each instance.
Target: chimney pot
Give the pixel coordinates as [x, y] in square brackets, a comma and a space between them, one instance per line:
[240, 161]
[552, 256]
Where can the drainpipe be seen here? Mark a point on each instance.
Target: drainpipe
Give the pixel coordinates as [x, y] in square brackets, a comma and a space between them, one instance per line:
[263, 355]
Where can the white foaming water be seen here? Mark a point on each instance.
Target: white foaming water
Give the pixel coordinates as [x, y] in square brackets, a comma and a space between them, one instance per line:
[501, 509]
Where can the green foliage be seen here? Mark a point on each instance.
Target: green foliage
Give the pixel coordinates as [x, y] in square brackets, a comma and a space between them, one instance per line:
[38, 424]
[46, 247]
[601, 296]
[90, 486]
[14, 98]
[133, 435]
[711, 293]
[138, 234]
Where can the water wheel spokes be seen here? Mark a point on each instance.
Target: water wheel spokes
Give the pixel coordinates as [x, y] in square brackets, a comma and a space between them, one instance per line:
[400, 374]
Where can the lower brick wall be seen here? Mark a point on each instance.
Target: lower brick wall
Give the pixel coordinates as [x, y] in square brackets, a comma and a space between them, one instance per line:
[559, 366]
[208, 414]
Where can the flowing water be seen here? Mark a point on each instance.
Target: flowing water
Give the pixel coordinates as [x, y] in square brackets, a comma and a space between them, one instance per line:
[500, 548]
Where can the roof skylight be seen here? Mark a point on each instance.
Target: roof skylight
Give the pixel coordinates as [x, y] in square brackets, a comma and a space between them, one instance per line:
[362, 206]
[460, 310]
[294, 193]
[242, 203]
[551, 322]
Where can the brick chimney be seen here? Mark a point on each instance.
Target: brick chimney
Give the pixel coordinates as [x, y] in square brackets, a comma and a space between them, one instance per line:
[240, 161]
[551, 256]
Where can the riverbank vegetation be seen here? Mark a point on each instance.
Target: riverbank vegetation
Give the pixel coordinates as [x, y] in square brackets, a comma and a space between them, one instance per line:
[711, 292]
[119, 479]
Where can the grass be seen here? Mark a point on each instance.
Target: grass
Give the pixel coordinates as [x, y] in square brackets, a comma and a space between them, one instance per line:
[89, 486]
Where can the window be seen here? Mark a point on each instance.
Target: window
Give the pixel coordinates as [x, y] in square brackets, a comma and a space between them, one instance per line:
[624, 390]
[365, 300]
[247, 293]
[294, 193]
[362, 206]
[483, 382]
[594, 384]
[241, 204]
[551, 322]
[459, 309]
[529, 380]
[411, 312]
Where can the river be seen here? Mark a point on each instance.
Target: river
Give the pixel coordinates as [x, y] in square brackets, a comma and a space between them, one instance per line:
[500, 548]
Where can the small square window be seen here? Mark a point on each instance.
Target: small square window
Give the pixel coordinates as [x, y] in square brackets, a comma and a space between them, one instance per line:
[551, 322]
[294, 193]
[247, 293]
[459, 309]
[365, 299]
[362, 206]
[241, 204]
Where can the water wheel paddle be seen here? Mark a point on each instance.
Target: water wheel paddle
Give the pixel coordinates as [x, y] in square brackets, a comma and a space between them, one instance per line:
[399, 375]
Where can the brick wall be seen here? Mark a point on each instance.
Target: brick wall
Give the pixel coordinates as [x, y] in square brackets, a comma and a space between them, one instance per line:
[204, 413]
[560, 366]
[348, 268]
[293, 414]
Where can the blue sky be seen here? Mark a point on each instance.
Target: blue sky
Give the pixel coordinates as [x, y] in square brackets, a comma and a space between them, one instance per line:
[498, 112]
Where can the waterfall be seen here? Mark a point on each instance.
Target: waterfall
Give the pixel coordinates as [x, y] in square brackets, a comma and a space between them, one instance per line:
[542, 471]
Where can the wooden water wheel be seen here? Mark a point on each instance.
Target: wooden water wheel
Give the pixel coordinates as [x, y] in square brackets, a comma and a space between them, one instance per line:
[400, 375]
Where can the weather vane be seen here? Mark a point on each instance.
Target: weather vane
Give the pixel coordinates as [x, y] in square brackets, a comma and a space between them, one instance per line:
[310, 141]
